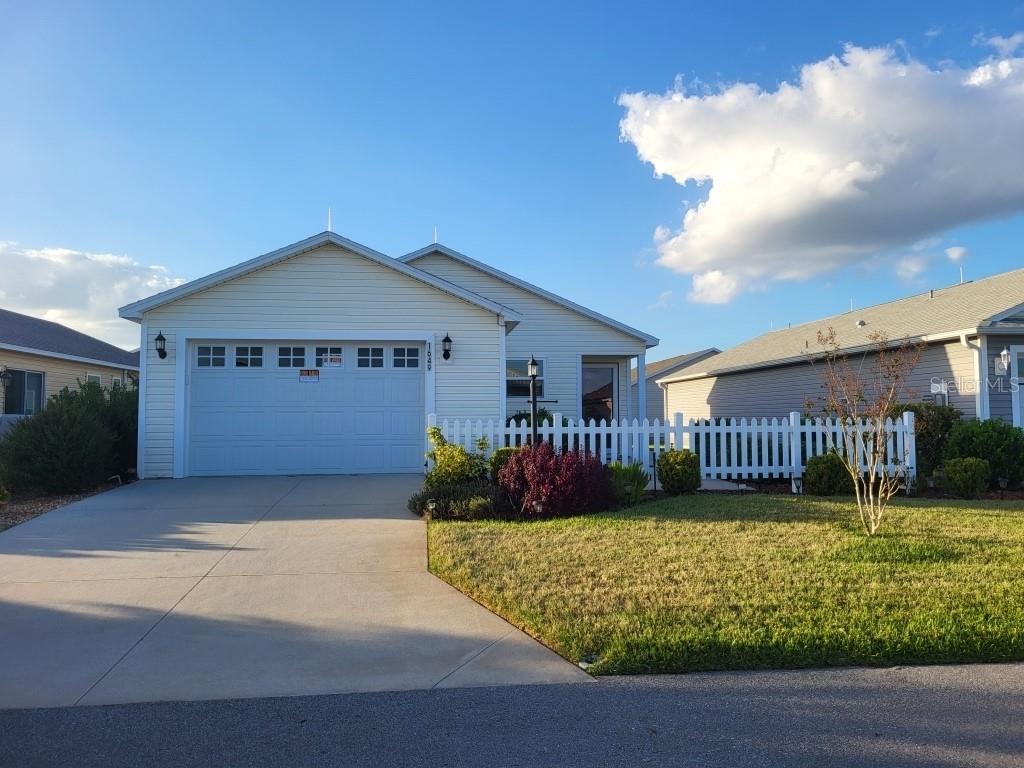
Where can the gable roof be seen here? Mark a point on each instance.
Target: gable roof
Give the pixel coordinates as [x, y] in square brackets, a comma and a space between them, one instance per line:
[650, 341]
[931, 316]
[671, 364]
[24, 333]
[135, 310]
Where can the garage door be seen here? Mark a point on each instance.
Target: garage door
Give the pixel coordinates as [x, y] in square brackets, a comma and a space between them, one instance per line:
[299, 407]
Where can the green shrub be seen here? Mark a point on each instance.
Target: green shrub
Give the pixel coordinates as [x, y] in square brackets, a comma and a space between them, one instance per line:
[629, 482]
[465, 501]
[65, 447]
[453, 464]
[826, 475]
[122, 418]
[967, 478]
[999, 443]
[544, 416]
[498, 459]
[5, 495]
[932, 426]
[679, 471]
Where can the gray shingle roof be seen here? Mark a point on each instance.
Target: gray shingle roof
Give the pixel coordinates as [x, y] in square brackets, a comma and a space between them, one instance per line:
[660, 366]
[32, 333]
[942, 311]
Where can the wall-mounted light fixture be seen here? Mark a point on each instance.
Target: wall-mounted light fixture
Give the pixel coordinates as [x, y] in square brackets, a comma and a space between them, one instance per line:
[1004, 357]
[446, 347]
[161, 345]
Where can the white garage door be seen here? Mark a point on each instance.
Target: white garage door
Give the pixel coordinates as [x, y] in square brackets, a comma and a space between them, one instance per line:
[297, 407]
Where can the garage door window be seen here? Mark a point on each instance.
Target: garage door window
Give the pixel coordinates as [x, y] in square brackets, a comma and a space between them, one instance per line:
[291, 357]
[370, 357]
[248, 357]
[406, 357]
[210, 357]
[328, 357]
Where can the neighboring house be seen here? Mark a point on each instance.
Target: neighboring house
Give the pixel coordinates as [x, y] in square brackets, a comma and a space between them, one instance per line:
[327, 357]
[968, 331]
[41, 358]
[660, 369]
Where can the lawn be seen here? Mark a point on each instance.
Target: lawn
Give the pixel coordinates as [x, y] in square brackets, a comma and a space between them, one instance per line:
[744, 582]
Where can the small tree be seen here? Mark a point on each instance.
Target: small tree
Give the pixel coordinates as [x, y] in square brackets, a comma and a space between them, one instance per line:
[862, 393]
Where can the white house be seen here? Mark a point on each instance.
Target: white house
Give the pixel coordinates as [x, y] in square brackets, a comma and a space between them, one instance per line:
[327, 357]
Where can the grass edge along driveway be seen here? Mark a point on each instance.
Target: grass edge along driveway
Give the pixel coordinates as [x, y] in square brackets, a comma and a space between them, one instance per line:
[711, 582]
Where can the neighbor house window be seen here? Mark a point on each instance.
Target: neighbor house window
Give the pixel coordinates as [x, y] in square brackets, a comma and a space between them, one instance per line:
[210, 356]
[24, 394]
[291, 357]
[93, 378]
[406, 357]
[517, 382]
[248, 357]
[370, 357]
[328, 357]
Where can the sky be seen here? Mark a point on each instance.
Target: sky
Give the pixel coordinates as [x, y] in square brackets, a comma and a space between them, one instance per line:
[701, 171]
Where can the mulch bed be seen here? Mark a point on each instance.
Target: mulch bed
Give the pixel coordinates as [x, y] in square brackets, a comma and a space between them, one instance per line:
[25, 506]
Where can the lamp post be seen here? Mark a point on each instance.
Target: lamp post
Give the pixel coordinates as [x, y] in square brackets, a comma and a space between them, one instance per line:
[532, 368]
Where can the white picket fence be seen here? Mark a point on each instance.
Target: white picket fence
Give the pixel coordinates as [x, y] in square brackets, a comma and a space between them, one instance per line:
[728, 449]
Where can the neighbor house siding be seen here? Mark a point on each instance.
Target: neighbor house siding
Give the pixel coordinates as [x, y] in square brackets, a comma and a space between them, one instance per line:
[327, 289]
[775, 392]
[548, 330]
[655, 399]
[57, 373]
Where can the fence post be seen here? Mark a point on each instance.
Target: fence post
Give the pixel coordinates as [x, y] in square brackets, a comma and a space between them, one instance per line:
[796, 464]
[678, 429]
[910, 446]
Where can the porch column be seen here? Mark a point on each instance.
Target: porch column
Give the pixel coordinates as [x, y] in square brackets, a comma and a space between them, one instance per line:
[641, 386]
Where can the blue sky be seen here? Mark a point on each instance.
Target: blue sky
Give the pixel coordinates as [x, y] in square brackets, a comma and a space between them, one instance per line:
[197, 135]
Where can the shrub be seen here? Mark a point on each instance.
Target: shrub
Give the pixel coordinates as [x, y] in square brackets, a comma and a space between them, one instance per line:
[629, 482]
[122, 418]
[5, 495]
[826, 475]
[498, 459]
[543, 483]
[932, 425]
[679, 471]
[65, 447]
[967, 478]
[999, 443]
[544, 416]
[453, 464]
[465, 501]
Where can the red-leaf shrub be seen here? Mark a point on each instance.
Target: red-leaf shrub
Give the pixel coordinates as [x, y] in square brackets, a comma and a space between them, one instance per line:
[544, 483]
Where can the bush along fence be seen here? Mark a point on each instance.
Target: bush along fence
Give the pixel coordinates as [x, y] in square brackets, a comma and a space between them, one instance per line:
[728, 449]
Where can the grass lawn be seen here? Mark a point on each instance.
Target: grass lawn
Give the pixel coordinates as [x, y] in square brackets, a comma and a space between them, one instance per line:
[742, 582]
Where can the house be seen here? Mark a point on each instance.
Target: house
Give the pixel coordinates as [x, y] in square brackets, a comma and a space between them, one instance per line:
[38, 358]
[660, 369]
[973, 336]
[328, 357]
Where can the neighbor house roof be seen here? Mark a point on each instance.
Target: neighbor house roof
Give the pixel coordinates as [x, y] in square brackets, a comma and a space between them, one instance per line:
[942, 313]
[23, 333]
[135, 310]
[650, 341]
[671, 364]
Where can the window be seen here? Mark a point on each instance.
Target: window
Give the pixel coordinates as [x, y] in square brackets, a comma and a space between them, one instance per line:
[93, 378]
[248, 357]
[291, 357]
[210, 357]
[117, 380]
[370, 357]
[517, 383]
[406, 357]
[328, 357]
[24, 395]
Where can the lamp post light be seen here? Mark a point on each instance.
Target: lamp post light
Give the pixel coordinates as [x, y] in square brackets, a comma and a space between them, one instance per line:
[532, 369]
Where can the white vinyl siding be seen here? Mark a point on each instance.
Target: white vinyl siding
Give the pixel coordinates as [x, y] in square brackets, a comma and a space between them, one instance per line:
[327, 289]
[548, 330]
[776, 392]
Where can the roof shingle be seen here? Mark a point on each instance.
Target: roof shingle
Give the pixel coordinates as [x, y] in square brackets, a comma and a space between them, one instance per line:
[19, 330]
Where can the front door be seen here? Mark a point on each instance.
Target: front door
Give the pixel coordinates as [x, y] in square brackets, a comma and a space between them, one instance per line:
[599, 392]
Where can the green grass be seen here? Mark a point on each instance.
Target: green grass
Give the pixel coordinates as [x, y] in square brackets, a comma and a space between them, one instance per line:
[726, 582]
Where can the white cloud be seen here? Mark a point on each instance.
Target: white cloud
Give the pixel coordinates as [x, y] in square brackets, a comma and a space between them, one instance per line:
[664, 301]
[956, 253]
[910, 267]
[1005, 46]
[77, 289]
[865, 154]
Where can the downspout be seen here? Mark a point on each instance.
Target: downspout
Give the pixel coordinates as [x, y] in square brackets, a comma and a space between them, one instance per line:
[980, 350]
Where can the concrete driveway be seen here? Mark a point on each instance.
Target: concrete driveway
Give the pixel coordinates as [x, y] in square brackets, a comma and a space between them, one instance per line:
[213, 588]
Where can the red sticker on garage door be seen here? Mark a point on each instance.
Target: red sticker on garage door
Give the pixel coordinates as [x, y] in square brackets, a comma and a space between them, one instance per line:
[309, 374]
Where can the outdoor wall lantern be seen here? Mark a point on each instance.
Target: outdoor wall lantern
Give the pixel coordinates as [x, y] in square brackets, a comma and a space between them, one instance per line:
[5, 377]
[1004, 357]
[446, 347]
[161, 345]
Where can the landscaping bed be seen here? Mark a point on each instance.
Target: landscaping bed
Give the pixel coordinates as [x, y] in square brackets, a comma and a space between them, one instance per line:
[25, 506]
[704, 582]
